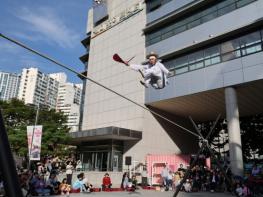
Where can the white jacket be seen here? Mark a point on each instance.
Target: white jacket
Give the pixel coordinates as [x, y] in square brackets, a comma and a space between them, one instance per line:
[158, 69]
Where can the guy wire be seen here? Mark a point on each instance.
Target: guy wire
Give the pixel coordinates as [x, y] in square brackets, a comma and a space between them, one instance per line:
[95, 82]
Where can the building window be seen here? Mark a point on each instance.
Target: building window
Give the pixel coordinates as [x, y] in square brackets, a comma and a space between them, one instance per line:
[155, 4]
[196, 18]
[243, 3]
[212, 55]
[225, 51]
[251, 43]
[196, 60]
[230, 50]
[181, 65]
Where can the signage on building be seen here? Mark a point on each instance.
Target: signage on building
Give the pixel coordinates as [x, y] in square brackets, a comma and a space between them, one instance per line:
[111, 22]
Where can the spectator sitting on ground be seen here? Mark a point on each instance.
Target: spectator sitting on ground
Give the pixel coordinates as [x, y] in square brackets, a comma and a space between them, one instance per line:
[79, 183]
[176, 180]
[88, 186]
[187, 186]
[41, 186]
[246, 192]
[239, 190]
[106, 181]
[24, 181]
[205, 183]
[32, 183]
[125, 180]
[64, 188]
[134, 182]
[53, 184]
[255, 170]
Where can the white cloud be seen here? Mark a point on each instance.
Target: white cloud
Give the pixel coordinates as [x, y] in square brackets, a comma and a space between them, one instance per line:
[24, 36]
[8, 47]
[48, 27]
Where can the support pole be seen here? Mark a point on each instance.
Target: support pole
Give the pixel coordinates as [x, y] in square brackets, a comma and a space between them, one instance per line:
[233, 125]
[7, 164]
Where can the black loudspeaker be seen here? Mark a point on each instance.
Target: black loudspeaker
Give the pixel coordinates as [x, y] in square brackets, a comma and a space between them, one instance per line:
[128, 161]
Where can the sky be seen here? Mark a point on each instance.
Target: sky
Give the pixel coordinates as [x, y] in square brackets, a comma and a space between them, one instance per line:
[52, 27]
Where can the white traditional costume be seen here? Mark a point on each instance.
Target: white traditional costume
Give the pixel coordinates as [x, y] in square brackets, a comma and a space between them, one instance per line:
[156, 74]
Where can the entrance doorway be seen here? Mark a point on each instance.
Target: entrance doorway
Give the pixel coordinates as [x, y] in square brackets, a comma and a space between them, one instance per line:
[99, 156]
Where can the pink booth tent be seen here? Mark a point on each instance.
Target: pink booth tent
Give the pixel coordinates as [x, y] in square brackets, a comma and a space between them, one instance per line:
[155, 164]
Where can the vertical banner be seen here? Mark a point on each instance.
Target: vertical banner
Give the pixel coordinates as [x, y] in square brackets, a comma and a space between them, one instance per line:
[34, 150]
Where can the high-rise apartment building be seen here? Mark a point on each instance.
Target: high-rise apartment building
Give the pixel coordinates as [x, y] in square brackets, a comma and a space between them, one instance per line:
[68, 100]
[38, 88]
[9, 84]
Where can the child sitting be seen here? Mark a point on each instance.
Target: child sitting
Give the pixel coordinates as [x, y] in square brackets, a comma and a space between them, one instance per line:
[187, 186]
[64, 188]
[239, 190]
[79, 183]
[134, 182]
[106, 181]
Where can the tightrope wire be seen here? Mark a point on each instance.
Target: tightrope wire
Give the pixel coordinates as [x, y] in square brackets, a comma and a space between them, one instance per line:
[95, 82]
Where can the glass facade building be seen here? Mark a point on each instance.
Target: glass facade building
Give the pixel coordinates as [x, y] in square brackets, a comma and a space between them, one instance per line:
[228, 50]
[9, 84]
[195, 18]
[213, 50]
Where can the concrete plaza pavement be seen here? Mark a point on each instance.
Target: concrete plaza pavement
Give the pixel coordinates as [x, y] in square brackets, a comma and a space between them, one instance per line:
[149, 193]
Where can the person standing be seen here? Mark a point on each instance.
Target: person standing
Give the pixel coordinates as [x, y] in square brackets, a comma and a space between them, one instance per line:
[144, 177]
[164, 174]
[213, 181]
[69, 172]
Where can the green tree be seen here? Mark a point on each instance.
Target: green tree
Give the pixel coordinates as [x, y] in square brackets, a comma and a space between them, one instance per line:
[17, 116]
[252, 136]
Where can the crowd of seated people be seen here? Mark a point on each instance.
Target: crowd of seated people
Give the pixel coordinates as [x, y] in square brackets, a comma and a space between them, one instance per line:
[35, 184]
[127, 183]
[255, 180]
[201, 178]
[213, 180]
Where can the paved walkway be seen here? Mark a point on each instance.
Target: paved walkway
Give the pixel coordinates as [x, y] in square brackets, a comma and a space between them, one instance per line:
[149, 193]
